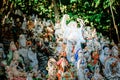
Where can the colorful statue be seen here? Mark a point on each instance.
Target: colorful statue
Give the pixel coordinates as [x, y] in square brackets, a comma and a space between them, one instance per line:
[52, 69]
[95, 56]
[62, 63]
[12, 46]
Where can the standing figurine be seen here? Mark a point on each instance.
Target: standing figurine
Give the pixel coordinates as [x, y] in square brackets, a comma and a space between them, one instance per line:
[62, 63]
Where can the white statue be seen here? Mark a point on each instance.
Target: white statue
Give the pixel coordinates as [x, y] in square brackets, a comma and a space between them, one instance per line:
[22, 41]
[112, 70]
[58, 30]
[81, 65]
[24, 24]
[97, 75]
[105, 53]
[74, 38]
[115, 51]
[29, 76]
[33, 57]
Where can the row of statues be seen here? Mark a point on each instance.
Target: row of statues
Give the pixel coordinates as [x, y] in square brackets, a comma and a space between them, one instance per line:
[64, 51]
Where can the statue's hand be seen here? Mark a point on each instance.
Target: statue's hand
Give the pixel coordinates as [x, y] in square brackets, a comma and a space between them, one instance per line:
[66, 16]
[81, 21]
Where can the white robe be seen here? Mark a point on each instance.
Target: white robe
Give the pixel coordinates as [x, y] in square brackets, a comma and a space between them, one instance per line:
[22, 41]
[33, 57]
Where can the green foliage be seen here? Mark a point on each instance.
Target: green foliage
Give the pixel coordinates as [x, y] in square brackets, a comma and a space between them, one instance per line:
[95, 12]
[71, 1]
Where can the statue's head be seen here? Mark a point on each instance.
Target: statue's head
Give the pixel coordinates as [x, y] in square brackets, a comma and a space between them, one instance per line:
[106, 49]
[72, 24]
[12, 46]
[80, 54]
[66, 16]
[21, 36]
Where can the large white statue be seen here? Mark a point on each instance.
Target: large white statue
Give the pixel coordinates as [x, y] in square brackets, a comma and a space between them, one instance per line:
[73, 37]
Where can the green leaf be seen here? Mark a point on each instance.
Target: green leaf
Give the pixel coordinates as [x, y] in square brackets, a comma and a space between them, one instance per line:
[71, 1]
[35, 1]
[97, 3]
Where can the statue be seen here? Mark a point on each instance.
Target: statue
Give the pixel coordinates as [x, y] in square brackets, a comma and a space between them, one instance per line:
[32, 55]
[62, 63]
[95, 56]
[112, 71]
[52, 69]
[22, 41]
[73, 37]
[58, 30]
[24, 24]
[97, 75]
[115, 50]
[106, 52]
[81, 65]
[12, 46]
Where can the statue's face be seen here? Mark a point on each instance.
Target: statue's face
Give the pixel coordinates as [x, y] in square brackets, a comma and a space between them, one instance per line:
[72, 24]
[106, 50]
[67, 16]
[80, 54]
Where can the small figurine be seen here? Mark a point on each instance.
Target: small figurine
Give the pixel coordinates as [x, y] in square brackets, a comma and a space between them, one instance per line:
[62, 63]
[95, 57]
[22, 41]
[12, 46]
[81, 65]
[97, 75]
[32, 55]
[52, 69]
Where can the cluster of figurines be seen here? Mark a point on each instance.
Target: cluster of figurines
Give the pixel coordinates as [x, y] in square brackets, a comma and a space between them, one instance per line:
[74, 52]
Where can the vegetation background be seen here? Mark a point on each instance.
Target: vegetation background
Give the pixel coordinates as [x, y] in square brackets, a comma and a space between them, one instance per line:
[96, 13]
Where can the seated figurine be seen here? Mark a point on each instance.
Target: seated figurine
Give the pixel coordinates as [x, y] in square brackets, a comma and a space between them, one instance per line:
[97, 75]
[111, 70]
[22, 41]
[81, 65]
[32, 57]
[12, 46]
[52, 69]
[62, 63]
[95, 57]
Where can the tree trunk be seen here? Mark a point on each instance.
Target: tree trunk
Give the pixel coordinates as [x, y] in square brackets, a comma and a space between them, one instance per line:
[55, 10]
[115, 26]
[5, 10]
